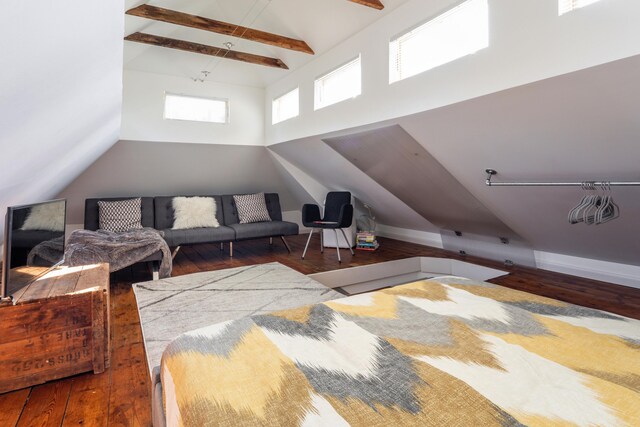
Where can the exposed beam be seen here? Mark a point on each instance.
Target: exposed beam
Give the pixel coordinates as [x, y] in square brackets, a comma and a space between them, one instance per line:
[206, 50]
[376, 4]
[201, 23]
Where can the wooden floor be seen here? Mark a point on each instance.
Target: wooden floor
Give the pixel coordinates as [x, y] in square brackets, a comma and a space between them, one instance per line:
[120, 396]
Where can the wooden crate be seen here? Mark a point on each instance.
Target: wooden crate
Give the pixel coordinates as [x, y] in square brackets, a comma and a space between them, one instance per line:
[58, 326]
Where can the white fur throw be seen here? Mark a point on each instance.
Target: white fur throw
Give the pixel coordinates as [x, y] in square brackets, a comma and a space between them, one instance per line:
[49, 216]
[194, 212]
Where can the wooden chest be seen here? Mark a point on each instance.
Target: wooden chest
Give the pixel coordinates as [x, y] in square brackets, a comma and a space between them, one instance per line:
[58, 326]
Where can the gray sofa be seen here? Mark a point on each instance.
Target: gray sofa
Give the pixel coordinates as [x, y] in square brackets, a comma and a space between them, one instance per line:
[157, 212]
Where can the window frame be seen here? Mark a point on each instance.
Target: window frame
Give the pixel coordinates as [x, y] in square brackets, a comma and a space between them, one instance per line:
[297, 88]
[316, 106]
[425, 22]
[563, 11]
[226, 102]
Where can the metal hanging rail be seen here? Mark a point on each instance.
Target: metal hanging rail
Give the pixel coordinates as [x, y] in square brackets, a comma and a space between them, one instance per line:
[584, 184]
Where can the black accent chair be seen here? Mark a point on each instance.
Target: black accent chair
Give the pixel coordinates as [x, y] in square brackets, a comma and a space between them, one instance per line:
[338, 214]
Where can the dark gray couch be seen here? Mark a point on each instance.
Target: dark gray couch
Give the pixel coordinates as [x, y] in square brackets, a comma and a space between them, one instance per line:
[157, 212]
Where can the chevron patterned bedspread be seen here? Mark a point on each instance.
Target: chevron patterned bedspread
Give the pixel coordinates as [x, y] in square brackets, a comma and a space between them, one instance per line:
[440, 352]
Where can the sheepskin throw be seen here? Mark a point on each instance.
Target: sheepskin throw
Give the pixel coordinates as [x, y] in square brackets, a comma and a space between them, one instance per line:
[194, 212]
[48, 216]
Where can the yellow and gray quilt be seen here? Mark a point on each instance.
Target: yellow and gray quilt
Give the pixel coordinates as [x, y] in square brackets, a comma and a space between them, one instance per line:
[440, 352]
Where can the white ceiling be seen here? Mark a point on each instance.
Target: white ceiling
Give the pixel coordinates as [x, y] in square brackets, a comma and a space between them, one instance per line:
[322, 24]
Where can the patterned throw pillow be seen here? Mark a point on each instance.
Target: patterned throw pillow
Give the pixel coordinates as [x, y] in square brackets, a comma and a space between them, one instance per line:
[252, 208]
[194, 212]
[122, 215]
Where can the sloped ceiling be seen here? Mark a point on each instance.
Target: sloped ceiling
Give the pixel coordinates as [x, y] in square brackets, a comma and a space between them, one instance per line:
[396, 161]
[322, 24]
[579, 126]
[60, 87]
[332, 170]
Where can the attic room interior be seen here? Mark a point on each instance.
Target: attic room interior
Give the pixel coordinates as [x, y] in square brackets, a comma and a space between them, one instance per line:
[320, 213]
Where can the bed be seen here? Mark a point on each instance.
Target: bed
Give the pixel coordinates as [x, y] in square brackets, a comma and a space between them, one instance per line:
[444, 351]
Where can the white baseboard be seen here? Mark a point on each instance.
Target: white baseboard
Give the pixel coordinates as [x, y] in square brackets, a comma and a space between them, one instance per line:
[414, 236]
[612, 272]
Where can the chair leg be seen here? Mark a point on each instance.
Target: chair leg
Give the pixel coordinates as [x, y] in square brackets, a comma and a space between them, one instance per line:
[155, 268]
[222, 246]
[271, 240]
[231, 249]
[321, 241]
[347, 240]
[285, 243]
[307, 245]
[175, 252]
[337, 245]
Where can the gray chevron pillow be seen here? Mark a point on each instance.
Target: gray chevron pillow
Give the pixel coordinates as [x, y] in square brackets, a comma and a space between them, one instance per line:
[251, 208]
[121, 215]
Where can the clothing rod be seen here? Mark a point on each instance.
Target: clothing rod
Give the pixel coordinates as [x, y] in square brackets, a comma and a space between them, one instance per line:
[596, 184]
[591, 184]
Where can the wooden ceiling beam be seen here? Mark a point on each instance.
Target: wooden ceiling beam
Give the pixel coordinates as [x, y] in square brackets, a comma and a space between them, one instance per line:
[376, 4]
[206, 50]
[201, 23]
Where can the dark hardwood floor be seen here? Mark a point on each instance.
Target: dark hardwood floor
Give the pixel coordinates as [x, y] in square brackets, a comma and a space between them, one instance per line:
[120, 396]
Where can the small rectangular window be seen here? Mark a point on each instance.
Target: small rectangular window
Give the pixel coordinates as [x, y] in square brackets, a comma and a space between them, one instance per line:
[181, 107]
[458, 32]
[342, 83]
[285, 107]
[565, 6]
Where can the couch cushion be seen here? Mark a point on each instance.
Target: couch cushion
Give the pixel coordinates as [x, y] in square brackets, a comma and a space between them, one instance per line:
[264, 229]
[273, 206]
[198, 235]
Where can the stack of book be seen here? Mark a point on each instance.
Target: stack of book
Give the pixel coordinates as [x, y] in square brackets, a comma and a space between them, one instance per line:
[366, 241]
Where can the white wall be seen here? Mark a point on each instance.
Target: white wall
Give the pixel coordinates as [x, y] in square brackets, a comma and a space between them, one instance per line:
[528, 42]
[143, 111]
[149, 168]
[60, 92]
